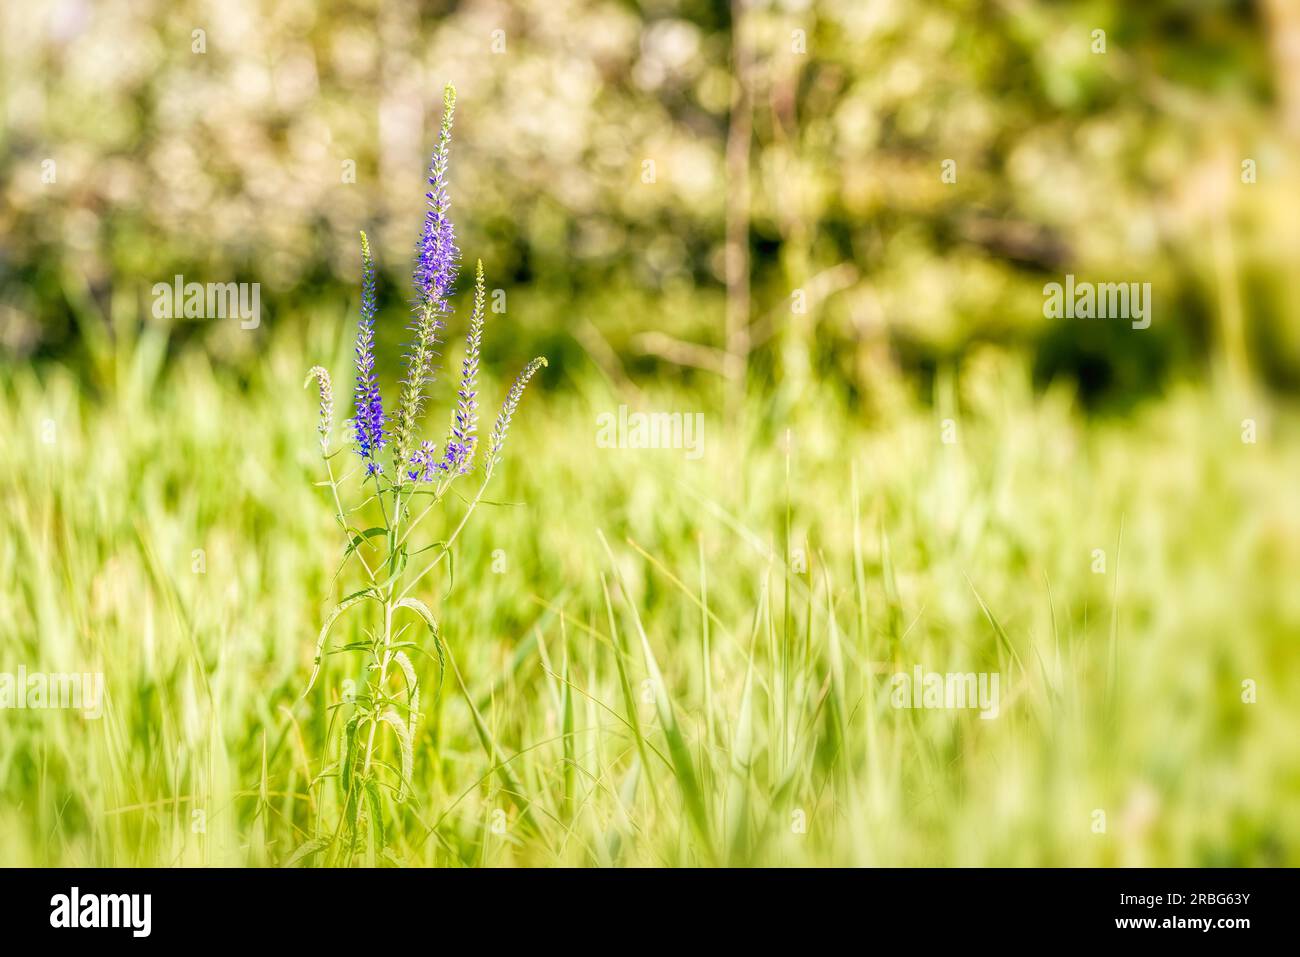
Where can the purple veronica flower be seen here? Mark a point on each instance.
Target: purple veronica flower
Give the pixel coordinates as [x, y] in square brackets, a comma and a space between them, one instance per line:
[459, 454]
[436, 261]
[425, 462]
[436, 255]
[436, 264]
[368, 418]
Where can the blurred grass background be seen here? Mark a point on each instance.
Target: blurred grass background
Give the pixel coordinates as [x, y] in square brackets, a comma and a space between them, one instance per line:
[797, 152]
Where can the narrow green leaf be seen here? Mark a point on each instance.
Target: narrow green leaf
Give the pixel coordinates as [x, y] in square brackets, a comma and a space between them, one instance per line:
[339, 609]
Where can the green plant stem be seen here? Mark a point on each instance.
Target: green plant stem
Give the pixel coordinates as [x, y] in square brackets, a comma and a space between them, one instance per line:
[446, 547]
[436, 498]
[379, 685]
[338, 506]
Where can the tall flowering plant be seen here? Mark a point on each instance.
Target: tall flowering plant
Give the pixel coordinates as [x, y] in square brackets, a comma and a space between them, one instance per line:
[408, 477]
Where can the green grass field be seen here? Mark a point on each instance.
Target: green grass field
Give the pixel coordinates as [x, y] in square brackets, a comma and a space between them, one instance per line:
[713, 687]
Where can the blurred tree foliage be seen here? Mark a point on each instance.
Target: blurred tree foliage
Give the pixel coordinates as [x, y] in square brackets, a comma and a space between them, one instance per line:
[249, 141]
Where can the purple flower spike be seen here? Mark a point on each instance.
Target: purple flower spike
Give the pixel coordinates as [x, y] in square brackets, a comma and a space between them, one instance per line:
[436, 255]
[425, 462]
[368, 418]
[459, 455]
[436, 259]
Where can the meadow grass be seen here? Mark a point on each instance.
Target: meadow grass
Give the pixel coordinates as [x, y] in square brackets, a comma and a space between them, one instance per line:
[658, 661]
